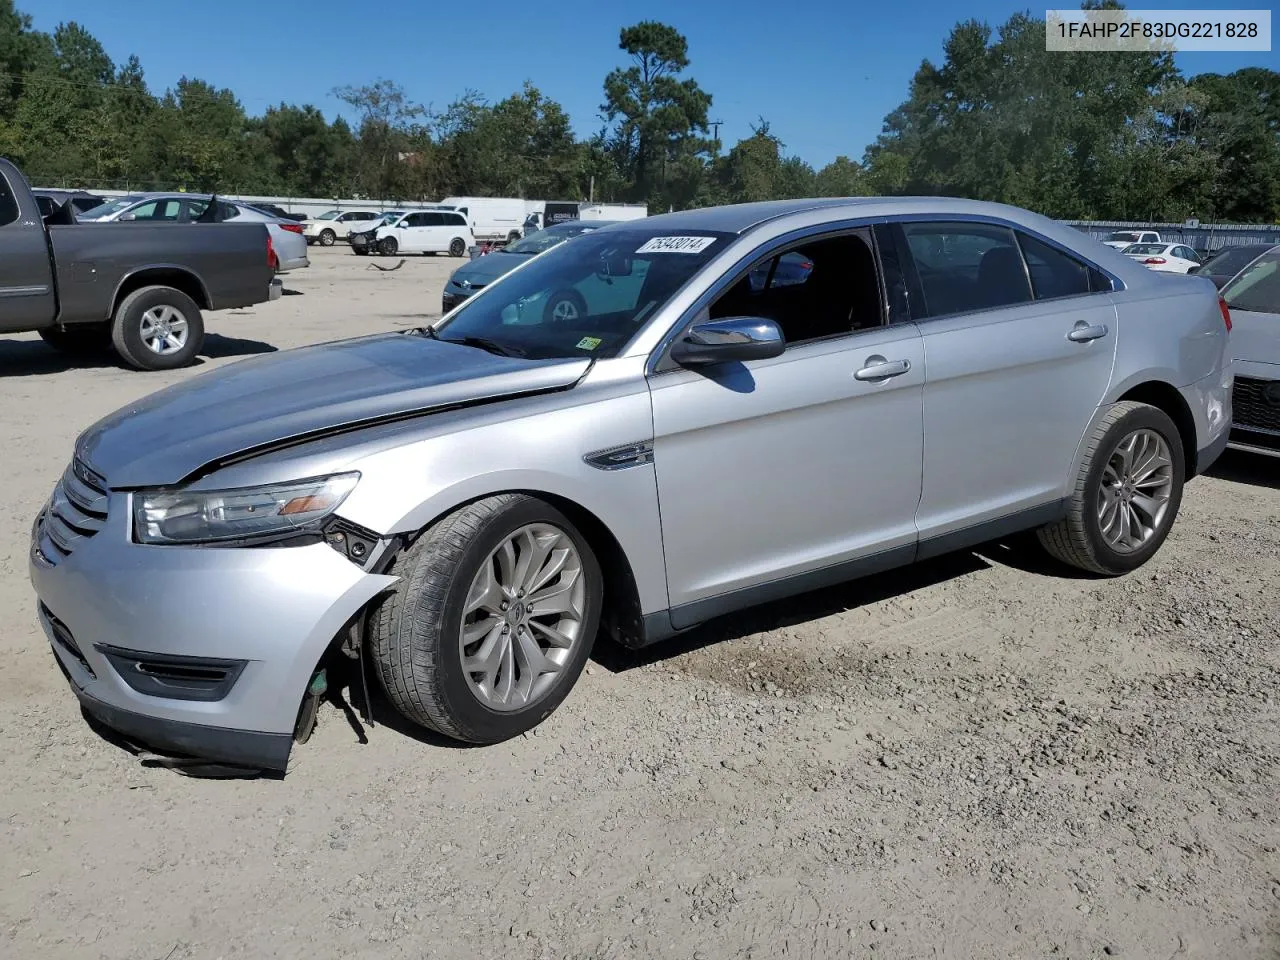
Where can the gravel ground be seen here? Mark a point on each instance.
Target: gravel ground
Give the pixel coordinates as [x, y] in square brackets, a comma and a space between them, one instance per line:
[983, 756]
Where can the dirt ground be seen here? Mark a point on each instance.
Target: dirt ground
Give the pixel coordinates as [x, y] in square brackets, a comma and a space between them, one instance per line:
[980, 757]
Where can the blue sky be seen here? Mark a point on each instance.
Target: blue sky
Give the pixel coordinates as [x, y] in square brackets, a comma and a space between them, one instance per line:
[822, 73]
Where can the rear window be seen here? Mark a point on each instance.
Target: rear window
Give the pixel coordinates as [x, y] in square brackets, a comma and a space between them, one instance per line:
[1232, 261]
[1144, 249]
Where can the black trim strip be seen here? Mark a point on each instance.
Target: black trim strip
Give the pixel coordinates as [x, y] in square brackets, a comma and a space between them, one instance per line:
[992, 529]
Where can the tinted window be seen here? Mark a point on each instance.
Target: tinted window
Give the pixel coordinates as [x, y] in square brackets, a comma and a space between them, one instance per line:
[156, 210]
[1233, 260]
[824, 288]
[416, 220]
[966, 266]
[1053, 273]
[433, 219]
[8, 203]
[1257, 289]
[1144, 249]
[455, 219]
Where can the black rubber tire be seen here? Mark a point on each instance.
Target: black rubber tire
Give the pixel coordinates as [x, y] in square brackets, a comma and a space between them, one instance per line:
[1078, 539]
[327, 238]
[412, 631]
[360, 251]
[457, 247]
[512, 237]
[573, 296]
[126, 331]
[80, 339]
[388, 247]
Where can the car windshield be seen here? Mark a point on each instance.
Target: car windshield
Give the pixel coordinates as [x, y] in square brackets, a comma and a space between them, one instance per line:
[543, 240]
[389, 217]
[1257, 289]
[1232, 260]
[1144, 249]
[583, 299]
[1126, 237]
[110, 207]
[329, 214]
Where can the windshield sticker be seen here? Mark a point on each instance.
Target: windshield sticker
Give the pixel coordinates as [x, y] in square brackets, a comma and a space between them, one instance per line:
[588, 343]
[676, 245]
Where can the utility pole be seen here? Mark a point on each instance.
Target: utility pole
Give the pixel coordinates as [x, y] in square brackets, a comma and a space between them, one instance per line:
[715, 129]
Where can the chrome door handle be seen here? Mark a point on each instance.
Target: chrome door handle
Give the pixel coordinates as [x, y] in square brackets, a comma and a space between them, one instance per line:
[1084, 332]
[878, 368]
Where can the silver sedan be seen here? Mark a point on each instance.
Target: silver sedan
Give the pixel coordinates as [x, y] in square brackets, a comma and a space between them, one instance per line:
[467, 505]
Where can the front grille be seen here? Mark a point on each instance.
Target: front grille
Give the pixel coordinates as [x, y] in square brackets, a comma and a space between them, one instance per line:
[76, 511]
[1256, 403]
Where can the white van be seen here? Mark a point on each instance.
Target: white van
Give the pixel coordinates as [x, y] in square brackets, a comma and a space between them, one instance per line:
[424, 231]
[492, 218]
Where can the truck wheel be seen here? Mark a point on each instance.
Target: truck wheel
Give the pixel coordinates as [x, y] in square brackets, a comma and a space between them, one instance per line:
[157, 328]
[1126, 494]
[457, 247]
[79, 339]
[491, 621]
[388, 247]
[327, 237]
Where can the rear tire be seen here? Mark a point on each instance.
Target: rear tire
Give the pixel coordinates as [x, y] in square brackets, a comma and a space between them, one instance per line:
[1126, 495]
[157, 328]
[444, 615]
[457, 247]
[80, 339]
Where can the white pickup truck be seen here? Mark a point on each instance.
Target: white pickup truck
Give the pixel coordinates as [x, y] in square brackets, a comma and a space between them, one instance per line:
[1122, 238]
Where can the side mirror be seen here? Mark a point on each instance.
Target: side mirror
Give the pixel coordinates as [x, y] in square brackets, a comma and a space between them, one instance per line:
[1195, 269]
[733, 338]
[402, 225]
[127, 216]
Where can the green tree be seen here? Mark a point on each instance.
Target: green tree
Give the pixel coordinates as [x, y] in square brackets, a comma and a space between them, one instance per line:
[657, 116]
[389, 121]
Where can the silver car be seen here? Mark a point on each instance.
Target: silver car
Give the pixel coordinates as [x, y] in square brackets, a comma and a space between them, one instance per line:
[463, 507]
[288, 244]
[1253, 297]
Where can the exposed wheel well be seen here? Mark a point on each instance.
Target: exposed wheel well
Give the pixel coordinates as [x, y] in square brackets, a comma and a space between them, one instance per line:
[188, 283]
[1167, 398]
[620, 611]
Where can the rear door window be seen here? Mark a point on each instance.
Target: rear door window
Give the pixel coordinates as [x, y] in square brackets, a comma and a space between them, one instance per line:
[967, 266]
[1053, 273]
[8, 203]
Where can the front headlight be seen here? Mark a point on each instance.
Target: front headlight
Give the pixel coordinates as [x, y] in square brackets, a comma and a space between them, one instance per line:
[191, 516]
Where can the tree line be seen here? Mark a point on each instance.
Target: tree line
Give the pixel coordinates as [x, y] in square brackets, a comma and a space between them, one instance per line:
[1071, 135]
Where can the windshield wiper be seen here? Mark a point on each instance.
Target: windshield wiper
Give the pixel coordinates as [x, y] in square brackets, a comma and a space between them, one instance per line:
[484, 343]
[427, 331]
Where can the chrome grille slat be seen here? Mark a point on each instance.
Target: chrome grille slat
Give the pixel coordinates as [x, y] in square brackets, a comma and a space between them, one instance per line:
[87, 498]
[76, 511]
[70, 514]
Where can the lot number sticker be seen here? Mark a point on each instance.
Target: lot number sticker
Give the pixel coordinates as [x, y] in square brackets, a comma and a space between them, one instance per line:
[676, 245]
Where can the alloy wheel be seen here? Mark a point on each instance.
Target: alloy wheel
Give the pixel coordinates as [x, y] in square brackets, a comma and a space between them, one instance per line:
[523, 617]
[1137, 484]
[163, 330]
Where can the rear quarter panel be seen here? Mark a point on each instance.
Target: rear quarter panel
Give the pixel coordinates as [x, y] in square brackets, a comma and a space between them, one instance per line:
[94, 259]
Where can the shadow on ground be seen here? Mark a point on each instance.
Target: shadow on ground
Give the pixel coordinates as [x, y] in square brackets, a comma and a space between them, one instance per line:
[1240, 466]
[29, 358]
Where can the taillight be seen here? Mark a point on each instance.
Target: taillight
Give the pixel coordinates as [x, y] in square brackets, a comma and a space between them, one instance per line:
[271, 253]
[1155, 260]
[1226, 313]
[291, 227]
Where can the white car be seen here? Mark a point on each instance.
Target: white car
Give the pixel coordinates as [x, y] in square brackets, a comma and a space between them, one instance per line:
[331, 225]
[1123, 238]
[1164, 257]
[425, 231]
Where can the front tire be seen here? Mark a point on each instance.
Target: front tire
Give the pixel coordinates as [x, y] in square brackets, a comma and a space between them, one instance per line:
[388, 247]
[157, 328]
[1126, 495]
[564, 306]
[491, 622]
[327, 238]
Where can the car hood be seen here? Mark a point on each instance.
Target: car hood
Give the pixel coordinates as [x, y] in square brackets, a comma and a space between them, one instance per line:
[484, 270]
[1255, 337]
[257, 403]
